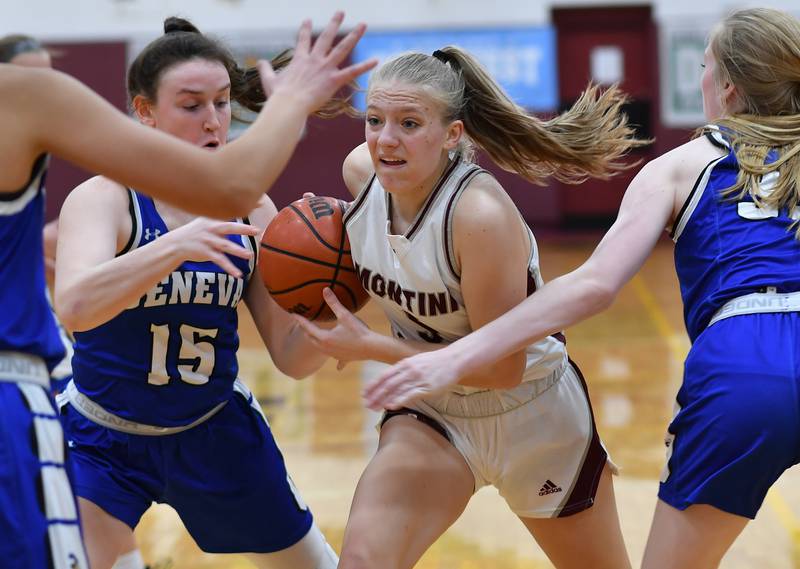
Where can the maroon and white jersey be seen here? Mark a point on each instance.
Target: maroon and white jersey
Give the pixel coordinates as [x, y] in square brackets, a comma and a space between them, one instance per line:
[415, 277]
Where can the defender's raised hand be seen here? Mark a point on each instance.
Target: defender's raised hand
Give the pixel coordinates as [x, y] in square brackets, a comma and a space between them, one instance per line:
[314, 73]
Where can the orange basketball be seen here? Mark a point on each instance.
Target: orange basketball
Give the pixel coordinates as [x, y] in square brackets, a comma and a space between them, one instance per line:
[305, 249]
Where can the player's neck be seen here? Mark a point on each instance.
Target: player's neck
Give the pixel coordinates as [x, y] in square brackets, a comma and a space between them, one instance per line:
[407, 204]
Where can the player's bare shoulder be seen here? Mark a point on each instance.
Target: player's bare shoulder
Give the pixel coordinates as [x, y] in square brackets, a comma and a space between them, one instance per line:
[357, 169]
[681, 166]
[100, 188]
[264, 213]
[21, 117]
[98, 194]
[484, 203]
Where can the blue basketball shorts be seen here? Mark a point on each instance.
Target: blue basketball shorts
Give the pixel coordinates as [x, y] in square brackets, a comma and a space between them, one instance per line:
[737, 426]
[39, 527]
[226, 478]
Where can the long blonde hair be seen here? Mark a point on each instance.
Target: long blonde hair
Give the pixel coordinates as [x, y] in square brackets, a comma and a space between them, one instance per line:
[758, 51]
[588, 140]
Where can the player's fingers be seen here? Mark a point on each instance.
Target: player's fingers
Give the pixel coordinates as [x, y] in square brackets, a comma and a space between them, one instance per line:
[267, 76]
[332, 301]
[307, 195]
[325, 40]
[402, 396]
[235, 228]
[222, 245]
[349, 74]
[341, 364]
[312, 331]
[225, 264]
[376, 392]
[340, 52]
[303, 45]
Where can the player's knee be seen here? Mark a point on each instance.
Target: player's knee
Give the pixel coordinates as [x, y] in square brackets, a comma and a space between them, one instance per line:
[356, 558]
[311, 552]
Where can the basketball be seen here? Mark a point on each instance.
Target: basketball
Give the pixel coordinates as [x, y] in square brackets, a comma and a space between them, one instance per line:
[305, 249]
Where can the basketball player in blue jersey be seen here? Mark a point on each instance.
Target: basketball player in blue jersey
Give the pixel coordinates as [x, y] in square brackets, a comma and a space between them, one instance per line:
[27, 51]
[731, 202]
[47, 112]
[425, 230]
[155, 412]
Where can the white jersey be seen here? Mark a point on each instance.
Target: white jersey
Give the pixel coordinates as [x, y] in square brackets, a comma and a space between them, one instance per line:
[414, 277]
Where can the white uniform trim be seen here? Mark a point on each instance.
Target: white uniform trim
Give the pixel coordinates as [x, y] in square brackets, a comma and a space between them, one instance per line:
[22, 367]
[758, 303]
[16, 205]
[97, 414]
[694, 198]
[251, 244]
[700, 184]
[137, 221]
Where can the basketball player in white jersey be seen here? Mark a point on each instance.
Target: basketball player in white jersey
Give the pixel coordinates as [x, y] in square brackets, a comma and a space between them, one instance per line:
[443, 250]
[731, 201]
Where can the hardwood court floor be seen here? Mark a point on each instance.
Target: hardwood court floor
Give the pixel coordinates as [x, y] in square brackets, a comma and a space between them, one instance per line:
[632, 358]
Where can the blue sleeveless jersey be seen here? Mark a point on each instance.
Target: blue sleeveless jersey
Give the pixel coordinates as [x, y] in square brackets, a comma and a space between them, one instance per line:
[171, 357]
[726, 248]
[26, 322]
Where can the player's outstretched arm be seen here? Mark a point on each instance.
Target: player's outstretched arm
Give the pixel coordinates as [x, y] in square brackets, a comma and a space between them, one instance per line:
[54, 113]
[591, 288]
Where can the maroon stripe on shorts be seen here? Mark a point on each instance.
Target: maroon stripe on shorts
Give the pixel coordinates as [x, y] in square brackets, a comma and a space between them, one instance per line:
[585, 488]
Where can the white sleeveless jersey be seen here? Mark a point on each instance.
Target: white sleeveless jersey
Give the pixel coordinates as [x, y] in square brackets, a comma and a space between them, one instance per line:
[414, 277]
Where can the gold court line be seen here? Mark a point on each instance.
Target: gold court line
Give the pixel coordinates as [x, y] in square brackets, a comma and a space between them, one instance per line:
[678, 350]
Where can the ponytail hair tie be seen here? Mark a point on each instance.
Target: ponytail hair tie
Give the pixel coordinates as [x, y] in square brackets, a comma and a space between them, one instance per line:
[447, 58]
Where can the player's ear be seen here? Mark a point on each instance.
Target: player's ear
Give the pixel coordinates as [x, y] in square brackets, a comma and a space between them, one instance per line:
[730, 97]
[143, 108]
[455, 130]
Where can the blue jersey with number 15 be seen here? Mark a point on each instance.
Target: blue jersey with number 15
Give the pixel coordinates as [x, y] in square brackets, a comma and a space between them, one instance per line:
[171, 357]
[725, 248]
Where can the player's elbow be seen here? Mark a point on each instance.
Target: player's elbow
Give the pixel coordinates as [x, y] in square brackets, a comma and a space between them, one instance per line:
[508, 373]
[242, 195]
[598, 295]
[71, 312]
[296, 368]
[227, 197]
[590, 289]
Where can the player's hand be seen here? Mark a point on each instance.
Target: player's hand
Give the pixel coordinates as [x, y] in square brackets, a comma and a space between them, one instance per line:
[422, 375]
[346, 340]
[313, 74]
[204, 239]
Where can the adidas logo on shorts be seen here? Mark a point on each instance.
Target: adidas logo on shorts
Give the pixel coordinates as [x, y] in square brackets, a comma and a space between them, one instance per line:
[549, 488]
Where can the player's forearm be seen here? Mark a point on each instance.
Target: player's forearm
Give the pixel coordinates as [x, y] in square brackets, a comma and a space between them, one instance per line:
[556, 306]
[503, 374]
[263, 151]
[298, 358]
[387, 349]
[97, 294]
